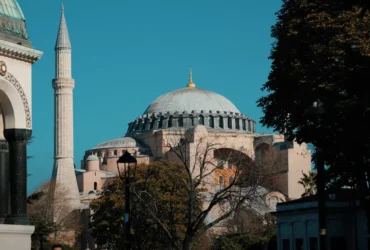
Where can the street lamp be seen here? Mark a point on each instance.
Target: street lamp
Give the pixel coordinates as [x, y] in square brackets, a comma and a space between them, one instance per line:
[127, 164]
[317, 109]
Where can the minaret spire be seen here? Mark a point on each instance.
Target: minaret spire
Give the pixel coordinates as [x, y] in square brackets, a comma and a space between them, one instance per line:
[63, 36]
[63, 84]
[190, 84]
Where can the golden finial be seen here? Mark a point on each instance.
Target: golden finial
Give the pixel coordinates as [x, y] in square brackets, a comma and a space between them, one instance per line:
[190, 83]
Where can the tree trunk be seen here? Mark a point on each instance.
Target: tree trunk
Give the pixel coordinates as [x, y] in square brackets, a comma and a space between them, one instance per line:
[188, 242]
[41, 242]
[364, 199]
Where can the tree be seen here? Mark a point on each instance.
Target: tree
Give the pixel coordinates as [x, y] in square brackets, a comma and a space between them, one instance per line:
[248, 230]
[221, 191]
[160, 195]
[308, 181]
[41, 210]
[321, 53]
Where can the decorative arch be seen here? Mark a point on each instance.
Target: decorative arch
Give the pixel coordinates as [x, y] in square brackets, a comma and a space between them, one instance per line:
[228, 161]
[279, 195]
[273, 198]
[14, 103]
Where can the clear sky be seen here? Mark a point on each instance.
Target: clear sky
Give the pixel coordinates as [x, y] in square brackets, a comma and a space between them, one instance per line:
[126, 53]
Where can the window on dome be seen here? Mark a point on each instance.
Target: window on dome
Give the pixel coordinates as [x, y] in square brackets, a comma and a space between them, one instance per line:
[244, 125]
[237, 125]
[147, 121]
[229, 123]
[160, 125]
[170, 122]
[138, 125]
[201, 120]
[221, 180]
[221, 122]
[181, 122]
[211, 122]
[152, 123]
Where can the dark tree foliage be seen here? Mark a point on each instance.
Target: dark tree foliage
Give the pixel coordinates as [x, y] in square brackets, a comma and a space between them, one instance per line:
[257, 233]
[322, 52]
[159, 187]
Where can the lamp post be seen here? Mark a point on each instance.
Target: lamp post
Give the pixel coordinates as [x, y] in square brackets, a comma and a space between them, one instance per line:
[318, 110]
[127, 164]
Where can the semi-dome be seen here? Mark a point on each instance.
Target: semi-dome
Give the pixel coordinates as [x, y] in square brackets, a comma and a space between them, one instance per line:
[189, 107]
[92, 158]
[189, 99]
[125, 142]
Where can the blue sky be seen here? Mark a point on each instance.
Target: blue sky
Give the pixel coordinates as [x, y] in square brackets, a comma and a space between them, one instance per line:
[126, 53]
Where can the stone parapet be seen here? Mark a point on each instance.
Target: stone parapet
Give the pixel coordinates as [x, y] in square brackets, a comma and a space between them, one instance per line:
[228, 121]
[17, 237]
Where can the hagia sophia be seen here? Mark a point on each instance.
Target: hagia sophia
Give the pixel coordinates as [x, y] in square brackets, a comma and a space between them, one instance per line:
[196, 111]
[190, 112]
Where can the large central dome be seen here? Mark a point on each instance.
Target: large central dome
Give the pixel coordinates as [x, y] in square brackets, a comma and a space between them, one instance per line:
[189, 99]
[189, 107]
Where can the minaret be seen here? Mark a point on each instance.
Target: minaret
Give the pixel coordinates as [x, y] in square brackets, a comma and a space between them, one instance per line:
[63, 84]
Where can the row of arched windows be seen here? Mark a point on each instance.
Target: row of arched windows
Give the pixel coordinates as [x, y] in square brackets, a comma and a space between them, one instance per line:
[201, 121]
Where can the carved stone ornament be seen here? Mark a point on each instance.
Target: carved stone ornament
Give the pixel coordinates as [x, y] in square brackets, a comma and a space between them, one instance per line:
[10, 78]
[3, 68]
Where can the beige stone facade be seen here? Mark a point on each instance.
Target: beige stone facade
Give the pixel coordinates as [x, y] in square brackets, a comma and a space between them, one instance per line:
[199, 116]
[288, 159]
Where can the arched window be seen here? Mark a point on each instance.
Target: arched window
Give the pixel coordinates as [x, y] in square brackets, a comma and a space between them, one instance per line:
[170, 121]
[221, 180]
[115, 152]
[221, 122]
[95, 185]
[229, 123]
[181, 121]
[99, 153]
[147, 121]
[201, 120]
[231, 179]
[152, 123]
[244, 125]
[237, 125]
[160, 125]
[192, 120]
[139, 124]
[211, 122]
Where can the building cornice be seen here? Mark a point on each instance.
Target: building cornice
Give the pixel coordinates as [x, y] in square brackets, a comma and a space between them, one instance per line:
[19, 52]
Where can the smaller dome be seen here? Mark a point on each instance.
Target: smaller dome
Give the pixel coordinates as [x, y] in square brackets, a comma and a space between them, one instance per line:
[92, 158]
[125, 142]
